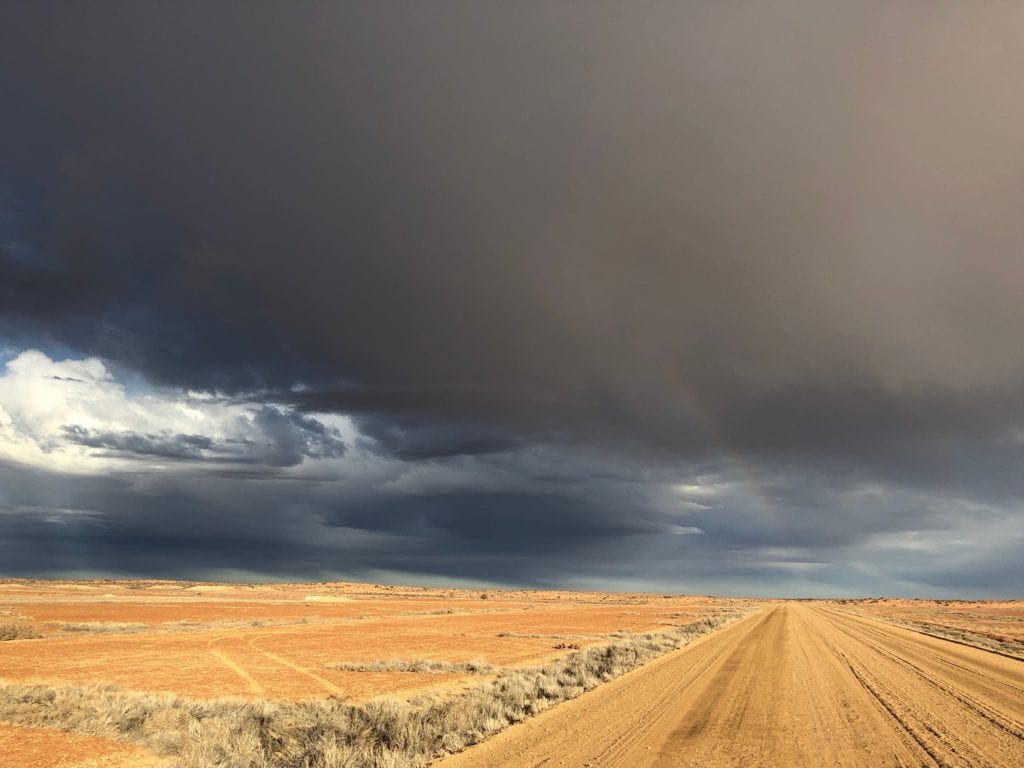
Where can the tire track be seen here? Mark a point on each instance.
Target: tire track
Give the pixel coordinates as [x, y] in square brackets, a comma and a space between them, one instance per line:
[665, 703]
[1004, 724]
[841, 699]
[610, 725]
[795, 685]
[954, 726]
[250, 681]
[888, 706]
[940, 653]
[963, 673]
[786, 701]
[322, 681]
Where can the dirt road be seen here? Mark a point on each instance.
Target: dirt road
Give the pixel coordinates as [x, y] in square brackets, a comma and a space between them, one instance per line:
[794, 685]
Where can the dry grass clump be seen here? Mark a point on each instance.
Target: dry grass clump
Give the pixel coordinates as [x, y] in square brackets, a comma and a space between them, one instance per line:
[98, 627]
[15, 631]
[542, 636]
[186, 625]
[332, 733]
[423, 666]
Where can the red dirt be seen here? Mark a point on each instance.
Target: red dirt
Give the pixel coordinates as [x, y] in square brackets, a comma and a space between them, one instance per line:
[288, 658]
[41, 748]
[1000, 621]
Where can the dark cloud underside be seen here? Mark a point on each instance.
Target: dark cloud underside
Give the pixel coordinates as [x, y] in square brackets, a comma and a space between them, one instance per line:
[784, 237]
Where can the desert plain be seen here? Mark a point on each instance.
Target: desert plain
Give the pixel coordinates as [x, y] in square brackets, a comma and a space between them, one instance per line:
[162, 673]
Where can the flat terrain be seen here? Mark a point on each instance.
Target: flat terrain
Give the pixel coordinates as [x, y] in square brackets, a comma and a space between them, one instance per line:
[839, 683]
[796, 684]
[285, 642]
[996, 625]
[41, 748]
[278, 642]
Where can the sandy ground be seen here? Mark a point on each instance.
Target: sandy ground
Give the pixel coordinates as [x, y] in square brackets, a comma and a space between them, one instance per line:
[1000, 623]
[302, 629]
[794, 685]
[40, 748]
[799, 683]
[299, 630]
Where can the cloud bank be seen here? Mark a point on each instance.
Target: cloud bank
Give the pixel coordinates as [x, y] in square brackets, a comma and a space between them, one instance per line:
[73, 416]
[698, 297]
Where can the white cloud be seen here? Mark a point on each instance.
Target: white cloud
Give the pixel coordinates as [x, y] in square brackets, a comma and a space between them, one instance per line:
[74, 416]
[701, 488]
[684, 530]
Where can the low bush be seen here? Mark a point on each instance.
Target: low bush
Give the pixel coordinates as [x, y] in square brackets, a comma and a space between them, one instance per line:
[99, 627]
[13, 631]
[424, 666]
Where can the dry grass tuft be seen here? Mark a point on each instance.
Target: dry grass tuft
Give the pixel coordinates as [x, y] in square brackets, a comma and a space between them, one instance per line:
[14, 631]
[98, 627]
[129, 627]
[423, 666]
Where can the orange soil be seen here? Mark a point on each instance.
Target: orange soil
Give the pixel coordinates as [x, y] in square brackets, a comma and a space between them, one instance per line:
[41, 748]
[1002, 621]
[128, 610]
[288, 660]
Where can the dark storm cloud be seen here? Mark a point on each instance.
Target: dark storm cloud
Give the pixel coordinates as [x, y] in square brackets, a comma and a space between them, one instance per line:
[626, 226]
[598, 530]
[191, 523]
[411, 439]
[495, 522]
[291, 437]
[166, 446]
[780, 235]
[285, 440]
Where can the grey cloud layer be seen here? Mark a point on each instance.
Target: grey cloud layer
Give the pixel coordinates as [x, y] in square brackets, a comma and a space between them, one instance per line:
[285, 439]
[609, 532]
[625, 223]
[780, 235]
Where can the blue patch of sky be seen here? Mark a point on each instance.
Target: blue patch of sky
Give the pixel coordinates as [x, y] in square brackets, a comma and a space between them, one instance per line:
[134, 383]
[7, 353]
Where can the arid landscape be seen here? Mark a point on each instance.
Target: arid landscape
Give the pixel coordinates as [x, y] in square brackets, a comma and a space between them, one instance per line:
[994, 625]
[511, 384]
[138, 673]
[74, 645]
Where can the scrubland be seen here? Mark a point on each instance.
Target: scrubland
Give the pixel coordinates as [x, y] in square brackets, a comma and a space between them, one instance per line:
[119, 674]
[331, 675]
[995, 625]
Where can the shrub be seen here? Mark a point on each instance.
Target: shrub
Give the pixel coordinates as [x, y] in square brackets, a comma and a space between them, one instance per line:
[13, 631]
[427, 666]
[102, 627]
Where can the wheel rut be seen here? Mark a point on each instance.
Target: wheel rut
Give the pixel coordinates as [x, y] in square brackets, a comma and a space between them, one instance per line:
[796, 684]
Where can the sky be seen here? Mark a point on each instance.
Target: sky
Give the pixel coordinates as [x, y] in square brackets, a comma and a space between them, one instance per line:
[689, 297]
